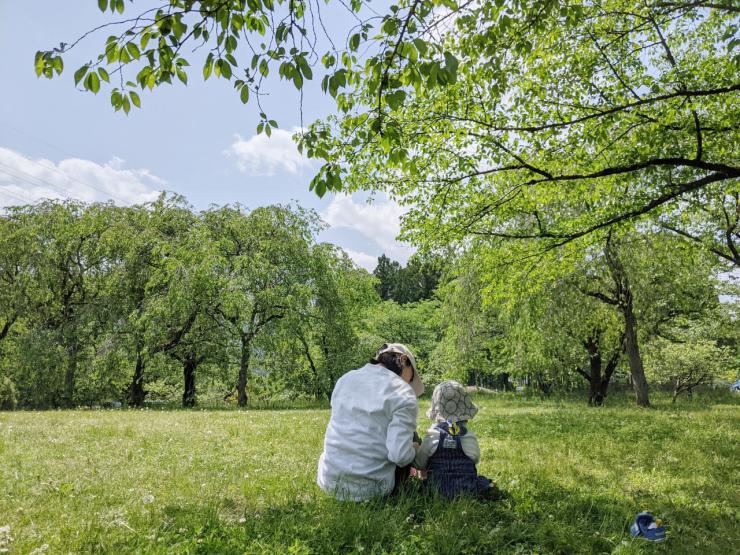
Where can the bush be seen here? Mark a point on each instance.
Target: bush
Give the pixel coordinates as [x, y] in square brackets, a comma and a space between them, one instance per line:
[8, 399]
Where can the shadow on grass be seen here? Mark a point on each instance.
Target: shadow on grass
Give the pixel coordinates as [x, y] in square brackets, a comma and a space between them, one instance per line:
[541, 518]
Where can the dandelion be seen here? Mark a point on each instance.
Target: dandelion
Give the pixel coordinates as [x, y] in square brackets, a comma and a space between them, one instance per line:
[5, 538]
[147, 499]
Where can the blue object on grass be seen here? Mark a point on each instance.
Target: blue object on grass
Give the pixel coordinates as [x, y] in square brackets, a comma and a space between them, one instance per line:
[641, 528]
[735, 386]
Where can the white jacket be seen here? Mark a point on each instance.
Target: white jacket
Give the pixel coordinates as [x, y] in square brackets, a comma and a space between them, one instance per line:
[370, 432]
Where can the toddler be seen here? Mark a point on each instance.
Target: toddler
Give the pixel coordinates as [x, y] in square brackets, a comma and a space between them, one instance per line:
[449, 451]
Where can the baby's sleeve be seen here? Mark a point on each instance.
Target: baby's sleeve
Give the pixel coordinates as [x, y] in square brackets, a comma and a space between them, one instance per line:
[470, 447]
[427, 449]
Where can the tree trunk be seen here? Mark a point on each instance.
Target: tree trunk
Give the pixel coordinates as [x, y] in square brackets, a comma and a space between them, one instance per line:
[136, 391]
[69, 375]
[624, 303]
[7, 325]
[241, 386]
[318, 389]
[595, 398]
[632, 349]
[189, 366]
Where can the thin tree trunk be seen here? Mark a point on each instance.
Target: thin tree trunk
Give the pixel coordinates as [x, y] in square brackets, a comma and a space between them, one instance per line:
[594, 359]
[136, 391]
[241, 386]
[189, 366]
[632, 349]
[318, 389]
[7, 325]
[624, 303]
[69, 375]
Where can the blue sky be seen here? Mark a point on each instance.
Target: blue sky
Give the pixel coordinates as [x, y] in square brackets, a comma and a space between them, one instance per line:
[199, 140]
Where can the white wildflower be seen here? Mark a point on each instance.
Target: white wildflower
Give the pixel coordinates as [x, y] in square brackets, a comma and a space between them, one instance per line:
[5, 538]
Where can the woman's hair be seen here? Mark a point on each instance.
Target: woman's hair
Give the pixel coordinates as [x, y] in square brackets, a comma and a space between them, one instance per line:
[392, 361]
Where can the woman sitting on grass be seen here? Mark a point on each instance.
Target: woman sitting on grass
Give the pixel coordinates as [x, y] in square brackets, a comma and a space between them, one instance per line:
[369, 445]
[449, 452]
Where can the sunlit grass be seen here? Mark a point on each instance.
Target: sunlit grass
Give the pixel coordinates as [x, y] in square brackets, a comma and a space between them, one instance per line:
[243, 481]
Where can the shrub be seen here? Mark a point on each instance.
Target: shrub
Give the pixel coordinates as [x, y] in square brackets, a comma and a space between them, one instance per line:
[8, 400]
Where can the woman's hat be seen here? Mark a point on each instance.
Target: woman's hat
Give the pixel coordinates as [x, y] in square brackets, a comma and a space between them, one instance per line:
[416, 384]
[450, 401]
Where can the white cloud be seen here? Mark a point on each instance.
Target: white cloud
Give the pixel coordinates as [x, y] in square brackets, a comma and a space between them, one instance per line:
[362, 259]
[25, 180]
[261, 155]
[379, 222]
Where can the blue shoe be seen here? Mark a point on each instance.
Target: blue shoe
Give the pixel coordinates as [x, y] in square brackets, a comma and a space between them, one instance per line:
[645, 526]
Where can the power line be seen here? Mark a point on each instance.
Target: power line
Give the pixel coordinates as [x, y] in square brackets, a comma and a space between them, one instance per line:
[34, 181]
[9, 194]
[72, 178]
[39, 182]
[53, 168]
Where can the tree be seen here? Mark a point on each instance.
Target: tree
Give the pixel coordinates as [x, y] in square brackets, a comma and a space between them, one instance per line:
[15, 275]
[411, 283]
[319, 341]
[68, 272]
[139, 240]
[183, 321]
[689, 364]
[561, 121]
[264, 254]
[483, 115]
[386, 271]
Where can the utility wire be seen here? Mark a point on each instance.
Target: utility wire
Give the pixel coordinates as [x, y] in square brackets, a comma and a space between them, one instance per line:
[53, 168]
[38, 181]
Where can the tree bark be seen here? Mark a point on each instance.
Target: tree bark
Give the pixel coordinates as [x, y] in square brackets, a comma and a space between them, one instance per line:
[632, 349]
[241, 386]
[595, 398]
[69, 375]
[624, 303]
[190, 364]
[136, 391]
[7, 325]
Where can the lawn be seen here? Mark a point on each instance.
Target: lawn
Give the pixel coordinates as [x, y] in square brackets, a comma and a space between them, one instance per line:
[231, 481]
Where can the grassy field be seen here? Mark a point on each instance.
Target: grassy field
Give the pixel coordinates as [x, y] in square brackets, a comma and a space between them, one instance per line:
[243, 481]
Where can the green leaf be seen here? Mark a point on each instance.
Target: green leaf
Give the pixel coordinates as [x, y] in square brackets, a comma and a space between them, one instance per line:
[354, 42]
[135, 99]
[103, 5]
[268, 130]
[208, 67]
[320, 188]
[133, 50]
[92, 82]
[39, 63]
[58, 65]
[80, 73]
[103, 74]
[244, 94]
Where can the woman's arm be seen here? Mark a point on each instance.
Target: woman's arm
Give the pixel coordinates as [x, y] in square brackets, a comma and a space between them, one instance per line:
[427, 449]
[401, 432]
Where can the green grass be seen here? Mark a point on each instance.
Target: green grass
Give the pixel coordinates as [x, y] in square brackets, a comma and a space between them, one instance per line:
[243, 481]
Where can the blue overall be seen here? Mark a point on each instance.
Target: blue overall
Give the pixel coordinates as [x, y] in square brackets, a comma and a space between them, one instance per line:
[451, 471]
